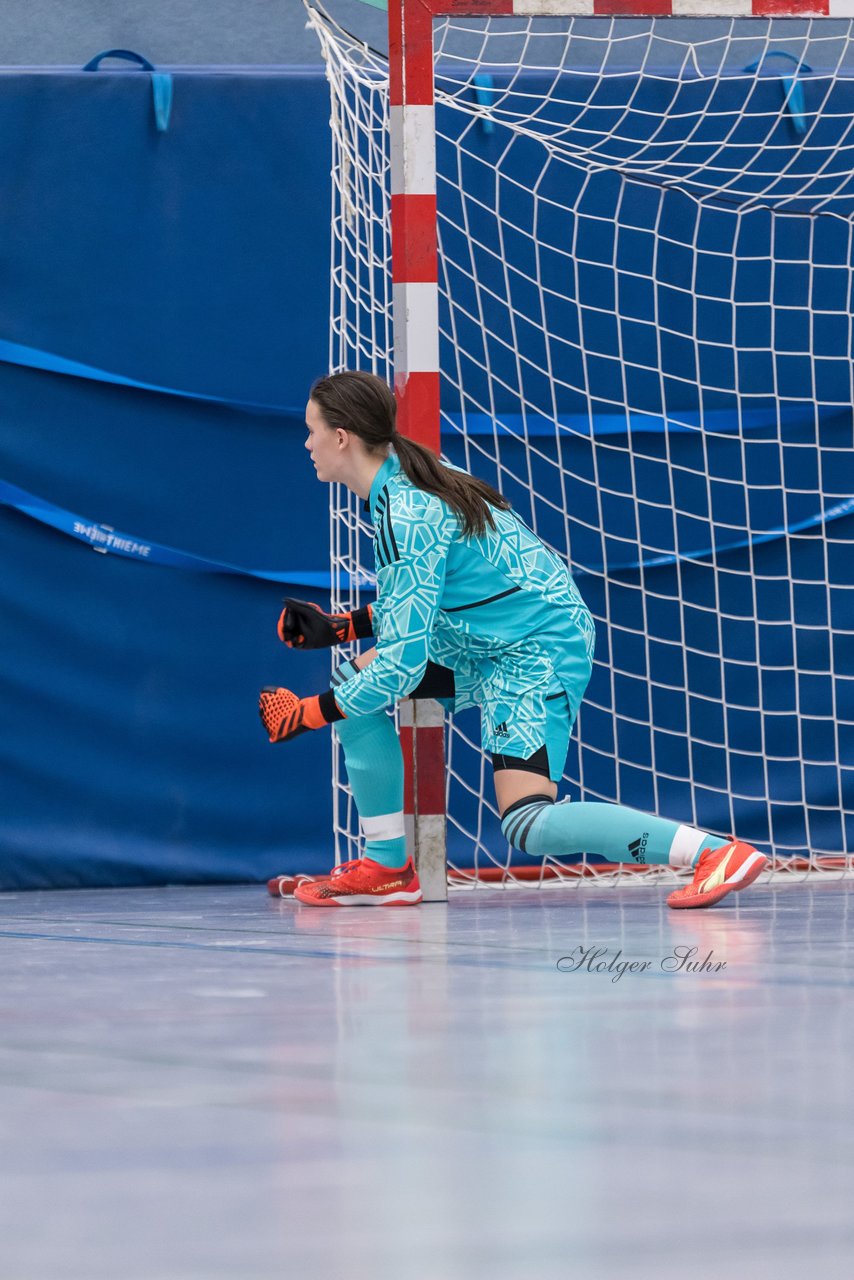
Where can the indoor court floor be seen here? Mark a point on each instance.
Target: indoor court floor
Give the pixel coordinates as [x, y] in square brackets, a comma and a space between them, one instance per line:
[206, 1083]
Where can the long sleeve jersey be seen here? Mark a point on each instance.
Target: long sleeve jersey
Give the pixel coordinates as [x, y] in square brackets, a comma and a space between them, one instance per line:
[482, 605]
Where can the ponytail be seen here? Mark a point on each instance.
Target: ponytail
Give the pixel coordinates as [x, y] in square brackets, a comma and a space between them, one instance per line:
[467, 496]
[365, 405]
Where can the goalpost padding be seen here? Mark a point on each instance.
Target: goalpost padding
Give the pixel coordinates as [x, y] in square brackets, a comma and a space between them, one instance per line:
[708, 532]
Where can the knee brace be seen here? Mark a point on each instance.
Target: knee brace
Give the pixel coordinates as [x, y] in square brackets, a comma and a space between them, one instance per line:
[519, 820]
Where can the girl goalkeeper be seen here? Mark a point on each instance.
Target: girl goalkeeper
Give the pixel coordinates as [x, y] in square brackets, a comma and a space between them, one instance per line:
[474, 610]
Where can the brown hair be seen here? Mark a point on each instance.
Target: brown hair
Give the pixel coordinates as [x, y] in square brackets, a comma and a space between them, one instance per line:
[365, 404]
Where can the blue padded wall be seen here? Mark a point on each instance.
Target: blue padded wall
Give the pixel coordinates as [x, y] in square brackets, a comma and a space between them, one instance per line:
[195, 260]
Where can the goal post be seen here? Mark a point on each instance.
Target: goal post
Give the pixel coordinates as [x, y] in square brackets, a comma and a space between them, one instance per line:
[606, 259]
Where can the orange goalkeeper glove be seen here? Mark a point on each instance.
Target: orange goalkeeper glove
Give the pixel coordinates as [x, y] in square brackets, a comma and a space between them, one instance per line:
[284, 715]
[304, 625]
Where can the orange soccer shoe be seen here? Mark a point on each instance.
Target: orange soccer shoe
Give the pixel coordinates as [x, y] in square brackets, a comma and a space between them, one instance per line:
[719, 872]
[363, 883]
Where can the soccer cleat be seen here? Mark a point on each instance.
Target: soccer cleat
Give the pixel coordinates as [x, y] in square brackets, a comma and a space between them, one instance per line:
[363, 883]
[719, 872]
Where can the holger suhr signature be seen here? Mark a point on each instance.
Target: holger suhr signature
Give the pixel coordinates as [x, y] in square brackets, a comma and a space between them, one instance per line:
[679, 960]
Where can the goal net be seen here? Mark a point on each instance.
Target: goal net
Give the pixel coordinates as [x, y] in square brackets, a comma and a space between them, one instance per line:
[645, 341]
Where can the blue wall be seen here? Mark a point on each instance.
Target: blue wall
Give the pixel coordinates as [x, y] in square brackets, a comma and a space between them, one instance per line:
[196, 260]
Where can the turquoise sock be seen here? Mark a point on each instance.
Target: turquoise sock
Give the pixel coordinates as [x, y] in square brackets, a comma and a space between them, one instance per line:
[374, 763]
[610, 831]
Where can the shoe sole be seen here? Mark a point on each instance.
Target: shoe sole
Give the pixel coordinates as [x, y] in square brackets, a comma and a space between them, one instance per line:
[364, 900]
[749, 870]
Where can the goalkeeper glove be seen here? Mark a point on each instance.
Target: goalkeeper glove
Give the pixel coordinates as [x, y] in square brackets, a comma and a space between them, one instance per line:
[284, 715]
[304, 625]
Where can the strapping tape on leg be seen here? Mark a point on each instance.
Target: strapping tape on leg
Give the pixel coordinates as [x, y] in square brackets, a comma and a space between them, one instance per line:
[386, 826]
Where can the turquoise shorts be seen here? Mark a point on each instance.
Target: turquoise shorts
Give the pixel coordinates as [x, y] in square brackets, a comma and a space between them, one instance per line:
[528, 705]
[533, 723]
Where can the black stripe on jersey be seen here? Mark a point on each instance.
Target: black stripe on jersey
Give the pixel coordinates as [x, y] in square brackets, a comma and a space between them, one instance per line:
[381, 551]
[386, 542]
[380, 545]
[390, 530]
[475, 604]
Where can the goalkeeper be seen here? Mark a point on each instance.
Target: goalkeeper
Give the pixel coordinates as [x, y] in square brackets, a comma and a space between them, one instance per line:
[471, 609]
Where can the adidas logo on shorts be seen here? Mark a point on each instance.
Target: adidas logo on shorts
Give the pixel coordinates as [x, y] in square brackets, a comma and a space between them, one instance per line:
[501, 730]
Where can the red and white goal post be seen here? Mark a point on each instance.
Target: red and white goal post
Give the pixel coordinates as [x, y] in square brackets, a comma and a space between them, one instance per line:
[623, 391]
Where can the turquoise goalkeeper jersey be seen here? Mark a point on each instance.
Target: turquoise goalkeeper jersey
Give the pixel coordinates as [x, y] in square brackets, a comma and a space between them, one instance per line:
[501, 610]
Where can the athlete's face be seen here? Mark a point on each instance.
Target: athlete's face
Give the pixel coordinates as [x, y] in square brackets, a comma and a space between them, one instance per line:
[327, 446]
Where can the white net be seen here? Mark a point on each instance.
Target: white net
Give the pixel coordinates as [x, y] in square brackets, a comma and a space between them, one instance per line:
[646, 283]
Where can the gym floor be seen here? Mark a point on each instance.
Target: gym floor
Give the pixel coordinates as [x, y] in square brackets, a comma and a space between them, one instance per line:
[206, 1083]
